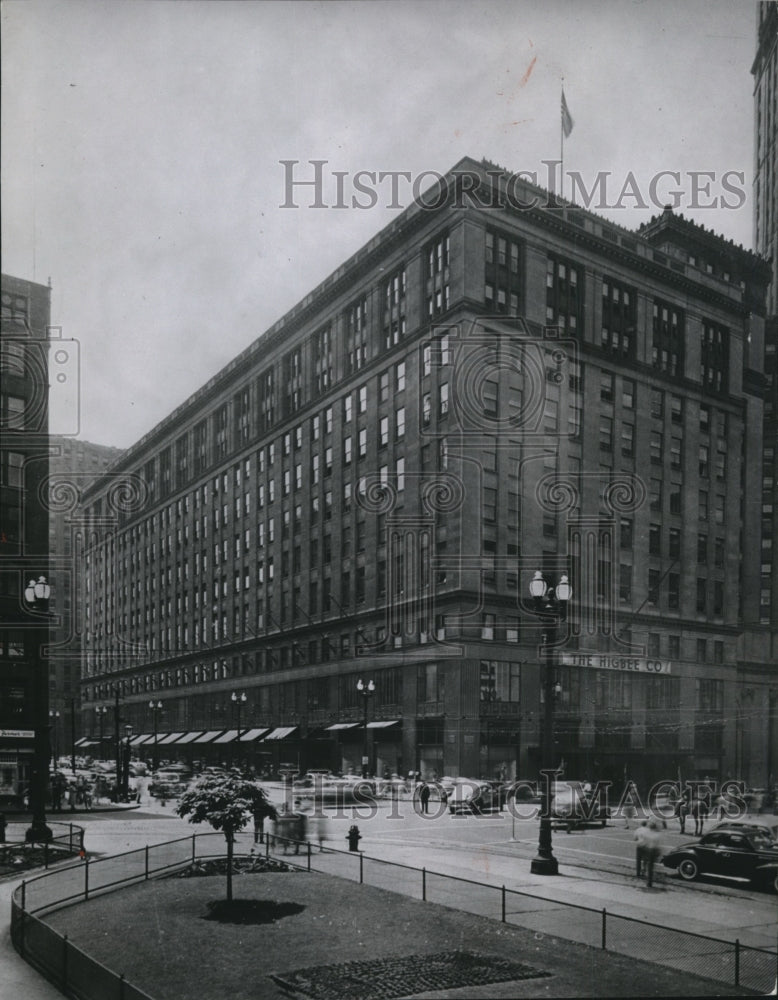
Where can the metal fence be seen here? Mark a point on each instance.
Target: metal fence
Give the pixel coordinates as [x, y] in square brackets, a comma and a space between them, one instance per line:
[71, 969]
[80, 976]
[729, 962]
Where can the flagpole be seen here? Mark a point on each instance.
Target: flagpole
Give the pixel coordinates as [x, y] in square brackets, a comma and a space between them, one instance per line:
[562, 148]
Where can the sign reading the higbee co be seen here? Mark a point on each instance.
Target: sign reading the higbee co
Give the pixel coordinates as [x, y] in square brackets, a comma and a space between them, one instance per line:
[609, 661]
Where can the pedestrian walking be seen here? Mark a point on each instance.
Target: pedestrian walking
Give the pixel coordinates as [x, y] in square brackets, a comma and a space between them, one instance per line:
[653, 850]
[319, 829]
[424, 797]
[640, 837]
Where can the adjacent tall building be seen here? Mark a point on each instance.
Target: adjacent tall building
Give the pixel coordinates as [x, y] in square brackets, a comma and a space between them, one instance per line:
[765, 71]
[492, 387]
[24, 543]
[74, 464]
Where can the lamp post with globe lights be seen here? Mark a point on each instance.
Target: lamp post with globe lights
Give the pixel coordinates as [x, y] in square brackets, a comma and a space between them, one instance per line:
[238, 700]
[550, 604]
[100, 711]
[156, 708]
[367, 691]
[36, 599]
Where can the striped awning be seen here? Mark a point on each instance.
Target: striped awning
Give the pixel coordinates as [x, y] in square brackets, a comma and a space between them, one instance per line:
[342, 725]
[253, 734]
[170, 738]
[190, 737]
[383, 723]
[208, 737]
[280, 733]
[228, 737]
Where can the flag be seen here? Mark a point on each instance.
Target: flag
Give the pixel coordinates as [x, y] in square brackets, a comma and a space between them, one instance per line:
[567, 119]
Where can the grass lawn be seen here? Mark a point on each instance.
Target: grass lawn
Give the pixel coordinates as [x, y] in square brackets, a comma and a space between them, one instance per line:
[157, 934]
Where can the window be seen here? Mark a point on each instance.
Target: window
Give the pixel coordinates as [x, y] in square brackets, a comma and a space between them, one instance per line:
[655, 447]
[500, 681]
[625, 582]
[606, 387]
[676, 409]
[383, 432]
[399, 428]
[443, 398]
[399, 373]
[714, 357]
[606, 434]
[710, 694]
[667, 353]
[673, 591]
[704, 466]
[356, 335]
[674, 549]
[564, 294]
[628, 440]
[628, 394]
[702, 595]
[393, 317]
[437, 276]
[617, 334]
[675, 453]
[655, 539]
[657, 404]
[655, 494]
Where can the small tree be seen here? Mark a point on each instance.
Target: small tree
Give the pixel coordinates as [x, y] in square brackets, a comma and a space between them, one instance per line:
[226, 802]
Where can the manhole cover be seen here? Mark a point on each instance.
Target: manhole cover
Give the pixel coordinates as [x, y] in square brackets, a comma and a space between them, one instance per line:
[384, 978]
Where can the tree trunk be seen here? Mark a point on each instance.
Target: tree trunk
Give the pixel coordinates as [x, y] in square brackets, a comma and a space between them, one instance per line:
[228, 835]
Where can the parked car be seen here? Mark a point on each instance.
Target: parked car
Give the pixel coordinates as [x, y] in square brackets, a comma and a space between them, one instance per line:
[572, 807]
[735, 854]
[771, 832]
[471, 796]
[167, 784]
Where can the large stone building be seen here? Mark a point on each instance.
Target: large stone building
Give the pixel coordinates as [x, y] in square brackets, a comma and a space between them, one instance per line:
[24, 539]
[489, 388]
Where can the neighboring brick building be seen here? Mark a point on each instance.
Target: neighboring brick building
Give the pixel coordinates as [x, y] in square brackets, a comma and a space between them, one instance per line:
[367, 490]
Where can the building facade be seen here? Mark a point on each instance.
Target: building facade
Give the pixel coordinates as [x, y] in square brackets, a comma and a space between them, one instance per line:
[73, 465]
[24, 537]
[765, 72]
[493, 386]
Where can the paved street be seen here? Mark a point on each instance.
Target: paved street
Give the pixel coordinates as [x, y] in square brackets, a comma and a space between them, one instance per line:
[596, 869]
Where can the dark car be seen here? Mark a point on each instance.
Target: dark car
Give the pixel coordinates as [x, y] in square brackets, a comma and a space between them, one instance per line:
[471, 796]
[735, 854]
[766, 830]
[572, 807]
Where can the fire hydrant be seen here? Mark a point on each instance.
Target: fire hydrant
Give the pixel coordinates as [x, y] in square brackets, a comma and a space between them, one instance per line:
[353, 837]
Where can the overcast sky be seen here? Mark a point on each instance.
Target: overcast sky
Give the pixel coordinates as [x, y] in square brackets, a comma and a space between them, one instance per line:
[142, 143]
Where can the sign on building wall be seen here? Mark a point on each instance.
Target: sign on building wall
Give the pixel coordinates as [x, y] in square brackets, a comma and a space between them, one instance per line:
[607, 661]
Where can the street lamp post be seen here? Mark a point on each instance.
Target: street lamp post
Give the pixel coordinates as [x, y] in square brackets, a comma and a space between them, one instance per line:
[100, 711]
[125, 793]
[238, 700]
[156, 708]
[551, 604]
[54, 726]
[367, 691]
[36, 596]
